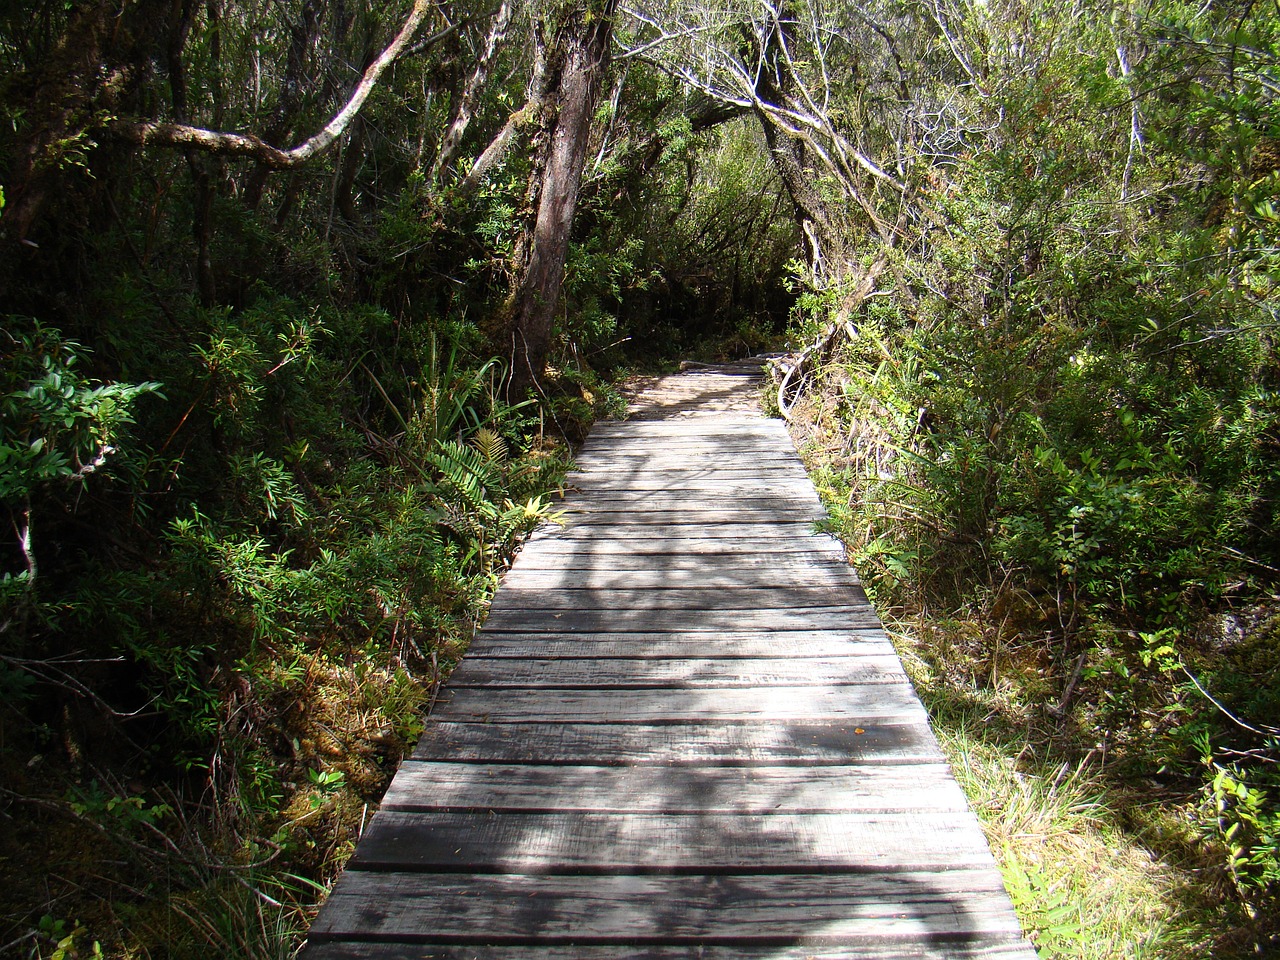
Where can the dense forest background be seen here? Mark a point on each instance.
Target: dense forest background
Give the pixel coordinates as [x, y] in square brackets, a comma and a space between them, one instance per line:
[303, 303]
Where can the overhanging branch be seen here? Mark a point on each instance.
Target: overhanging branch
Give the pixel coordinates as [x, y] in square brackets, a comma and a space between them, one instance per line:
[225, 143]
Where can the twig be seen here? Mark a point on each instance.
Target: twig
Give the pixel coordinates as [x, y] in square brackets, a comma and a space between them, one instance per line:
[26, 936]
[1059, 712]
[51, 672]
[1264, 732]
[1241, 555]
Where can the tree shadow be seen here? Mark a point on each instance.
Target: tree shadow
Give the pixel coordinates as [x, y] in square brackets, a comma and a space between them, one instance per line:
[675, 737]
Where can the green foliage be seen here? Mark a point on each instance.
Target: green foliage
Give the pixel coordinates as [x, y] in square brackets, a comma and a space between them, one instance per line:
[57, 425]
[126, 813]
[1066, 407]
[1248, 828]
[326, 782]
[64, 941]
[1063, 420]
[1051, 915]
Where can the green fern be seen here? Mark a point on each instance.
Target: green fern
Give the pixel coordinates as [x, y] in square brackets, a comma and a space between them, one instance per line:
[491, 446]
[466, 471]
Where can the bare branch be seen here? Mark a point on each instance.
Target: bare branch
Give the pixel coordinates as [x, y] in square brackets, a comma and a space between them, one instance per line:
[225, 143]
[466, 104]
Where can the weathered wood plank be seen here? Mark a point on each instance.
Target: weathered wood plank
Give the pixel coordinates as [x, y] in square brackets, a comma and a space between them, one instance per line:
[652, 435]
[709, 486]
[719, 427]
[583, 599]
[420, 787]
[699, 844]
[816, 547]
[876, 909]
[639, 504]
[719, 577]
[716, 741]
[623, 499]
[640, 673]
[741, 522]
[687, 456]
[660, 514]
[575, 492]
[675, 620]
[911, 947]
[751, 460]
[728, 533]
[621, 474]
[588, 555]
[679, 510]
[667, 646]
[713, 448]
[859, 703]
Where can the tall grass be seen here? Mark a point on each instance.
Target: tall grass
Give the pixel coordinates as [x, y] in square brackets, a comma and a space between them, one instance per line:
[1083, 886]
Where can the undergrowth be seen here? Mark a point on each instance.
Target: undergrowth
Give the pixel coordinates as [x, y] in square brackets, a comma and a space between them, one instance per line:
[195, 729]
[1122, 769]
[1054, 461]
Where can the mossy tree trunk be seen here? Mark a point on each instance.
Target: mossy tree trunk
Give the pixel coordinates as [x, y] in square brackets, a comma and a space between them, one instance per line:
[576, 44]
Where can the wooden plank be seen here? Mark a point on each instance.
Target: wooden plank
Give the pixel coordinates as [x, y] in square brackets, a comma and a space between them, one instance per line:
[642, 435]
[586, 502]
[592, 493]
[678, 456]
[721, 448]
[688, 673]
[700, 486]
[675, 620]
[581, 599]
[817, 547]
[667, 646]
[764, 431]
[620, 498]
[716, 741]
[628, 454]
[991, 947]
[640, 843]
[722, 445]
[427, 786]
[751, 461]
[732, 533]
[662, 506]
[530, 577]
[726, 910]
[718, 427]
[859, 703]
[708, 518]
[743, 470]
[583, 555]
[675, 512]
[680, 621]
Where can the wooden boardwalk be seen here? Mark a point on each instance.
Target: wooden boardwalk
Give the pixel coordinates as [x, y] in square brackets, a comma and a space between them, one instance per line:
[681, 733]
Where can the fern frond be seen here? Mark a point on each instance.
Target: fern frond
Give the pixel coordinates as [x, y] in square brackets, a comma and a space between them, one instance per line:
[465, 471]
[491, 446]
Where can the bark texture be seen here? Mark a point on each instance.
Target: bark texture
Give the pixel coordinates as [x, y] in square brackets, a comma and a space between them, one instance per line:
[579, 55]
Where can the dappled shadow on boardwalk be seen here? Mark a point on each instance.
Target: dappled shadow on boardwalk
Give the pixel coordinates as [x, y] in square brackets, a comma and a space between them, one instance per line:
[746, 845]
[682, 733]
[728, 388]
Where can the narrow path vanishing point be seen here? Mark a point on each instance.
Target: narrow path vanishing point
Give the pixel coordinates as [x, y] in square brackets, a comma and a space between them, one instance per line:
[681, 733]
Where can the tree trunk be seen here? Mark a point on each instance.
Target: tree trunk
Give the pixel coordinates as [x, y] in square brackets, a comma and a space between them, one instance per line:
[84, 74]
[579, 55]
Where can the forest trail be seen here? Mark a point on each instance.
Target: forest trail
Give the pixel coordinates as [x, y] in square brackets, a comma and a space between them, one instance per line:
[681, 733]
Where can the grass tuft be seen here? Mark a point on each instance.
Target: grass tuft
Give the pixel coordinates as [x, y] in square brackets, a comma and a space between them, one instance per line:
[1082, 885]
